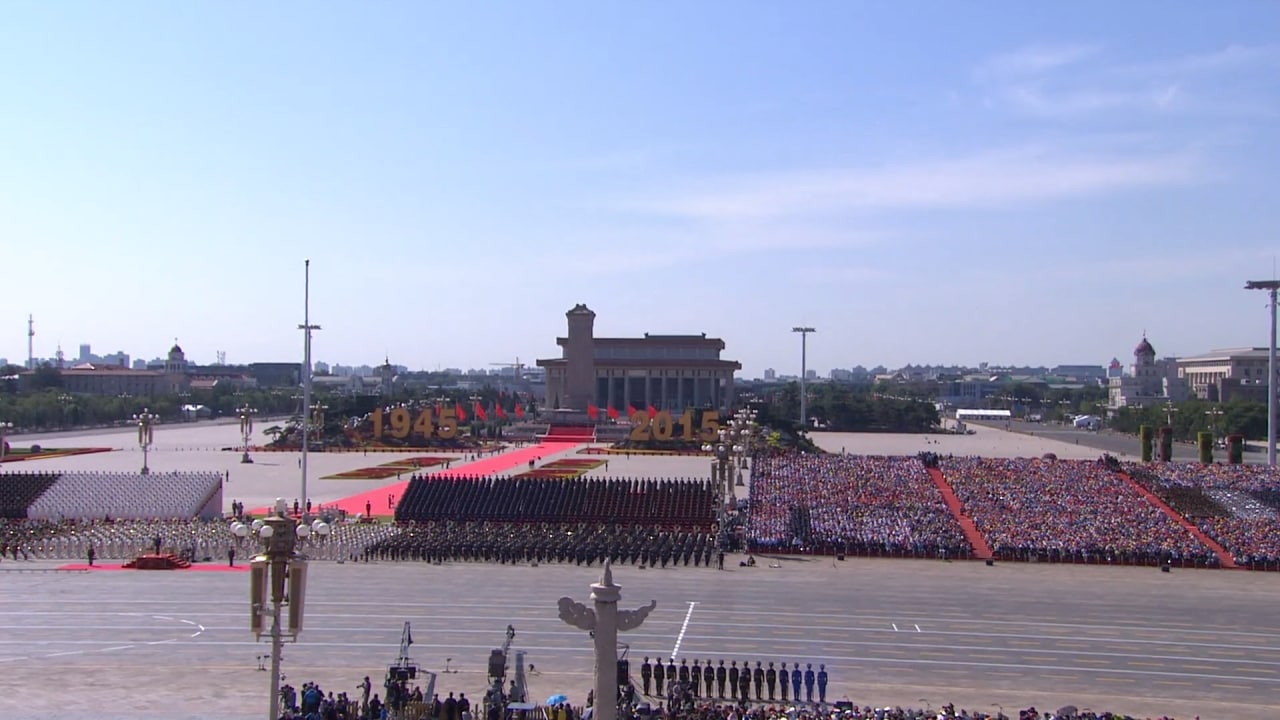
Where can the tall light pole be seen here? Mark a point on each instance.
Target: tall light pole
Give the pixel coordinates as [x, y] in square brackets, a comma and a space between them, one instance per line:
[1270, 286]
[306, 327]
[147, 421]
[804, 371]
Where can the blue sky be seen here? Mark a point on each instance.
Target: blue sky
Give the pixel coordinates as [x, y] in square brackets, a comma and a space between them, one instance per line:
[935, 182]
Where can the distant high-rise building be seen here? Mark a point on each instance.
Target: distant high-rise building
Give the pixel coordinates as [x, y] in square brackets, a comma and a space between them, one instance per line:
[811, 375]
[86, 355]
[770, 374]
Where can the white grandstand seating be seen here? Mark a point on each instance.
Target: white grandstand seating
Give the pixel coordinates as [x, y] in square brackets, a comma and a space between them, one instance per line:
[130, 496]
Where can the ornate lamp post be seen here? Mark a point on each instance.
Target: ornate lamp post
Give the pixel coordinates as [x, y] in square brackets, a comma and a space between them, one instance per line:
[66, 401]
[5, 427]
[1215, 414]
[1169, 410]
[731, 449]
[277, 579]
[147, 421]
[246, 430]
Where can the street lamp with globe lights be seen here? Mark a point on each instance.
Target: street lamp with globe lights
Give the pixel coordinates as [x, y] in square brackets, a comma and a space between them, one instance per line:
[731, 449]
[147, 421]
[277, 579]
[246, 430]
[5, 427]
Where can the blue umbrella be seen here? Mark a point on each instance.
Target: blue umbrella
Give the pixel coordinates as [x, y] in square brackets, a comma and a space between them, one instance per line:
[557, 699]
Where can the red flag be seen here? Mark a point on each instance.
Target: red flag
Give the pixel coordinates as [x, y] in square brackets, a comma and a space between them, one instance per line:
[459, 412]
[519, 411]
[480, 413]
[613, 413]
[631, 410]
[593, 412]
[502, 413]
[437, 409]
[653, 413]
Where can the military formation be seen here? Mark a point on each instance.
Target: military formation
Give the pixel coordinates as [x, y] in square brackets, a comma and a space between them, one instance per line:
[517, 542]
[628, 501]
[735, 682]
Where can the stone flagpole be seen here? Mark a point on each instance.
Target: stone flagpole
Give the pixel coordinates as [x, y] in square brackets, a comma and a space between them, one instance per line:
[604, 623]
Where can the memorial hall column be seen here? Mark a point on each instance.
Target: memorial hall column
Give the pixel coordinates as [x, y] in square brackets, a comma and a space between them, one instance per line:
[679, 390]
[648, 389]
[609, 394]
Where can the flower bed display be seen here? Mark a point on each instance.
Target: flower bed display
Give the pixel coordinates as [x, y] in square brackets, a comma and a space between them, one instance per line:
[563, 469]
[36, 452]
[369, 473]
[416, 463]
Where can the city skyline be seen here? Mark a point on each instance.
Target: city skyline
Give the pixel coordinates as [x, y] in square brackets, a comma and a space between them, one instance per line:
[924, 183]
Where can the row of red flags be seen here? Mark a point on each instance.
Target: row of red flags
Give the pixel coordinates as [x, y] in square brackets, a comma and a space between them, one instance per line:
[481, 414]
[593, 412]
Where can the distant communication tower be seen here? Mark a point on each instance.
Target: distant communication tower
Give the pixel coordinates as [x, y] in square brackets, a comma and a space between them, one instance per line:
[31, 338]
[222, 357]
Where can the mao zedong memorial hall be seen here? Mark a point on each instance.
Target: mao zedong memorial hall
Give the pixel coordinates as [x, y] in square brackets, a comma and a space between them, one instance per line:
[666, 372]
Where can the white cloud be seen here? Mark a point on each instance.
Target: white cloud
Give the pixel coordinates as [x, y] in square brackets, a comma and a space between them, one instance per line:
[1057, 83]
[1034, 60]
[995, 179]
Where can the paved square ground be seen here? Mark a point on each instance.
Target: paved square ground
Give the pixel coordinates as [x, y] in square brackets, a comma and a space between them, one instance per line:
[176, 645]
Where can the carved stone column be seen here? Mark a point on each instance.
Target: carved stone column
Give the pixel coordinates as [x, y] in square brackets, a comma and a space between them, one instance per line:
[604, 622]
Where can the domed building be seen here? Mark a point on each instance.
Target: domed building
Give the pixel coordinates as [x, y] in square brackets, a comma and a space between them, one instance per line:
[1149, 381]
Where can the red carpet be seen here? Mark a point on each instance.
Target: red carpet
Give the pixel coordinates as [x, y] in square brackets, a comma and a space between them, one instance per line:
[383, 500]
[981, 550]
[1224, 557]
[214, 567]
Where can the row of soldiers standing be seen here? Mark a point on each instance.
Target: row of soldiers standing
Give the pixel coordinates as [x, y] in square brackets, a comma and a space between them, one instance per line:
[698, 680]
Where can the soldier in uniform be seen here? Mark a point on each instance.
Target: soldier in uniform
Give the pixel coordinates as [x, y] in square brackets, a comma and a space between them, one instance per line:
[785, 676]
[720, 678]
[796, 677]
[695, 678]
[808, 683]
[771, 680]
[671, 672]
[733, 680]
[646, 674]
[757, 677]
[822, 684]
[708, 677]
[684, 673]
[744, 682]
[659, 673]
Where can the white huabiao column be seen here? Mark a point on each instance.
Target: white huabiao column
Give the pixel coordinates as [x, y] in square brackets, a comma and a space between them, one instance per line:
[604, 623]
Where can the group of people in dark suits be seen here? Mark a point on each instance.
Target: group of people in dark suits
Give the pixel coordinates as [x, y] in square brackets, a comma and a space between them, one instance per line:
[770, 684]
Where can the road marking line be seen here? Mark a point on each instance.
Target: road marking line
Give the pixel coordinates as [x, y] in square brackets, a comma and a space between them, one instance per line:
[918, 628]
[895, 627]
[675, 651]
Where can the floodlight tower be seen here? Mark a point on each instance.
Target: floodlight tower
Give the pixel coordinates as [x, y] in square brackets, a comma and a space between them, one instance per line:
[306, 327]
[1271, 286]
[804, 371]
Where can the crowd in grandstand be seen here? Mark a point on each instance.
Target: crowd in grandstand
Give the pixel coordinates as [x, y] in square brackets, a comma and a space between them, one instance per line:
[850, 504]
[1236, 505]
[1067, 510]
